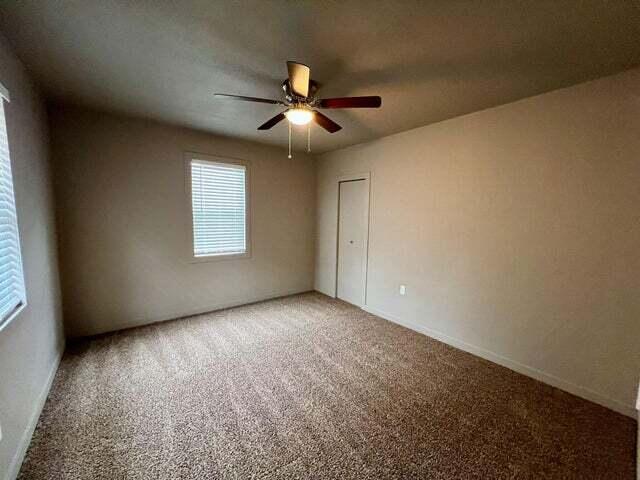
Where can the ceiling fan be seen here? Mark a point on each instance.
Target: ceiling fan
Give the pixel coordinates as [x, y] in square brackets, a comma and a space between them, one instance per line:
[302, 104]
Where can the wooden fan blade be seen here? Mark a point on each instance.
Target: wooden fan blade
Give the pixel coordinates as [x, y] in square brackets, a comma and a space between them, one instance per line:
[325, 122]
[299, 78]
[247, 99]
[272, 121]
[351, 102]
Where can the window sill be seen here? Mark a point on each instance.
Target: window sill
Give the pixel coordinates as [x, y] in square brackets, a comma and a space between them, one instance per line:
[6, 321]
[220, 258]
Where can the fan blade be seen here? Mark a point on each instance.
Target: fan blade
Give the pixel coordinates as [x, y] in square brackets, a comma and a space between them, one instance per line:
[248, 99]
[351, 102]
[299, 78]
[272, 121]
[325, 122]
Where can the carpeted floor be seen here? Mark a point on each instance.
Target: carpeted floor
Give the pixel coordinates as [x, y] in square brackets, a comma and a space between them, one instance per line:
[308, 387]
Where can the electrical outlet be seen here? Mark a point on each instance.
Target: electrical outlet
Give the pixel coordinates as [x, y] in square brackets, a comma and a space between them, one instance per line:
[403, 290]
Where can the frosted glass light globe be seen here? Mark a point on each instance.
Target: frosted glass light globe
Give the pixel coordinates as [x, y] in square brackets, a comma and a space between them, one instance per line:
[299, 116]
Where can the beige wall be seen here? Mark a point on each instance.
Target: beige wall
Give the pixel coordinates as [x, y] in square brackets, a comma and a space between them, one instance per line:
[31, 345]
[516, 231]
[124, 228]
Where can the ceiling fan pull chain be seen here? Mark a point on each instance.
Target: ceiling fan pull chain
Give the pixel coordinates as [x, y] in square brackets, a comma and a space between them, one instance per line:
[308, 137]
[289, 141]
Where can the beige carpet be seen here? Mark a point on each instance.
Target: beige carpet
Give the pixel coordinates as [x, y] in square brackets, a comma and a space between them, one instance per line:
[308, 387]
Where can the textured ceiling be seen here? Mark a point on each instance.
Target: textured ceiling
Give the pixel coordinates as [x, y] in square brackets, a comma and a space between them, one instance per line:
[429, 60]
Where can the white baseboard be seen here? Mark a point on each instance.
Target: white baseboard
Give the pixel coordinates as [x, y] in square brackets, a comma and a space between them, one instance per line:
[18, 458]
[177, 314]
[567, 386]
[215, 307]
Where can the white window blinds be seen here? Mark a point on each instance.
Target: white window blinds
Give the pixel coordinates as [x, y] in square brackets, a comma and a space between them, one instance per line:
[218, 200]
[12, 293]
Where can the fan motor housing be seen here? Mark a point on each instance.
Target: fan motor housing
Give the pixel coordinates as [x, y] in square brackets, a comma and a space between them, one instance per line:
[293, 98]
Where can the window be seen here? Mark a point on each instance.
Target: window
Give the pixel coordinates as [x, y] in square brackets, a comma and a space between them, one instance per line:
[12, 293]
[218, 197]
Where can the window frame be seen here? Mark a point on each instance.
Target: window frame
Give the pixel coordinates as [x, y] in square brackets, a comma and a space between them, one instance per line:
[189, 157]
[7, 319]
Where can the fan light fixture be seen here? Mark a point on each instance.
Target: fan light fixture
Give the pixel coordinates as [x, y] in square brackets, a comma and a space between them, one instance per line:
[302, 103]
[299, 116]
